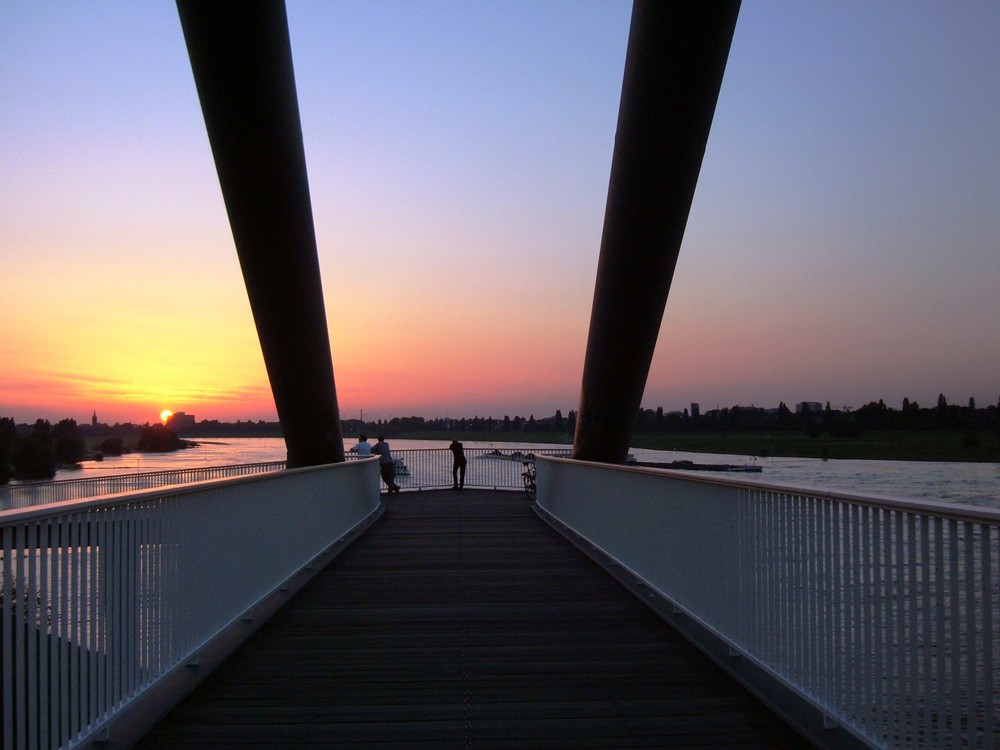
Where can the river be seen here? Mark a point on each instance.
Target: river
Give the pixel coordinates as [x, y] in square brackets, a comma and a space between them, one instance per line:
[968, 483]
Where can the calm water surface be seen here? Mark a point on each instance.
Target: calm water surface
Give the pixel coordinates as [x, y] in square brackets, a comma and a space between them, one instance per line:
[975, 484]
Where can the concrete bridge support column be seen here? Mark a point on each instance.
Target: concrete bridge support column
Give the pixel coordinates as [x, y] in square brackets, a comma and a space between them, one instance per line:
[242, 62]
[676, 57]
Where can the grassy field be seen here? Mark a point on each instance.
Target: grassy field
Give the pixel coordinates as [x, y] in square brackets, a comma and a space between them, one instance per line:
[925, 445]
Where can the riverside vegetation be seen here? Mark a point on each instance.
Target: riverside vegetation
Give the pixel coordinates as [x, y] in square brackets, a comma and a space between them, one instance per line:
[944, 432]
[36, 451]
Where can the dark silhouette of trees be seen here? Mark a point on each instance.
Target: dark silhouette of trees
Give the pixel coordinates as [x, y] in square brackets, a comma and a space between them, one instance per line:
[34, 451]
[808, 422]
[34, 454]
[69, 445]
[113, 446]
[786, 420]
[7, 439]
[159, 439]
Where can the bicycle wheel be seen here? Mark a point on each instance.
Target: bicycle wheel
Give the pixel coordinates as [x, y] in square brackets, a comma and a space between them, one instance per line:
[529, 484]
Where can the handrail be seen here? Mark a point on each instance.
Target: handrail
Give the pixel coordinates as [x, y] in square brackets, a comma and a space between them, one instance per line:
[882, 615]
[25, 494]
[961, 511]
[420, 469]
[486, 468]
[869, 609]
[107, 603]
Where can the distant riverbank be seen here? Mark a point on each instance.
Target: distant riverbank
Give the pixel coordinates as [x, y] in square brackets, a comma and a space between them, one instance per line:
[922, 445]
[916, 445]
[966, 482]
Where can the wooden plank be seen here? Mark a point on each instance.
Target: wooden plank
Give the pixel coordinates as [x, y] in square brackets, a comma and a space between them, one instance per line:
[462, 620]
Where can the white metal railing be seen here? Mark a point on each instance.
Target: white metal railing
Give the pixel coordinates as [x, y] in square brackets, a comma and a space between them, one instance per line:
[27, 494]
[882, 613]
[419, 469]
[431, 468]
[102, 598]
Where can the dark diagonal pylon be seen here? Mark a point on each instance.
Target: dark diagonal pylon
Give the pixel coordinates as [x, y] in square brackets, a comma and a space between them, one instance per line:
[242, 63]
[676, 57]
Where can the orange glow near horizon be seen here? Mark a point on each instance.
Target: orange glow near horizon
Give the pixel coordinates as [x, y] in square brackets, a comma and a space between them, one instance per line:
[165, 415]
[458, 253]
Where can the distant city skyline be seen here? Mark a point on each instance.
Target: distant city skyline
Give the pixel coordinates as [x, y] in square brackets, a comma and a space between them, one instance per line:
[842, 244]
[542, 413]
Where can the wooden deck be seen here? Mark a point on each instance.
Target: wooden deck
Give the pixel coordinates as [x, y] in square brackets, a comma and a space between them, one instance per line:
[462, 620]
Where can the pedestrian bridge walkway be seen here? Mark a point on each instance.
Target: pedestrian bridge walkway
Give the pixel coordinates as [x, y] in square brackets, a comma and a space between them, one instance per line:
[476, 618]
[461, 619]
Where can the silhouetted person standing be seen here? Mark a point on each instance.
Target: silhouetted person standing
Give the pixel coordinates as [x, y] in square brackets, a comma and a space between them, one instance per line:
[381, 449]
[458, 465]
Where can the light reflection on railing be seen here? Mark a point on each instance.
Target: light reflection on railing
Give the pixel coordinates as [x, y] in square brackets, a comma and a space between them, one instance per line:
[28, 494]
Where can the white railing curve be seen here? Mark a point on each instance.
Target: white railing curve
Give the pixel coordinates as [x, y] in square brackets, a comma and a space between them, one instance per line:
[29, 494]
[419, 469]
[103, 600]
[882, 613]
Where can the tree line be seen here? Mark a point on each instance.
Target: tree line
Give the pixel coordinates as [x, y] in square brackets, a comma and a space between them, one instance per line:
[36, 452]
[845, 422]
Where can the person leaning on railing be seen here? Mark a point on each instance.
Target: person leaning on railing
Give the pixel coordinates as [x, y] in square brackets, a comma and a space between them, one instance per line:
[362, 448]
[388, 471]
[458, 465]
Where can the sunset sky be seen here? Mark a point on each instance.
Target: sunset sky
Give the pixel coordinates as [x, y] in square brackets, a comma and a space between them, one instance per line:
[842, 245]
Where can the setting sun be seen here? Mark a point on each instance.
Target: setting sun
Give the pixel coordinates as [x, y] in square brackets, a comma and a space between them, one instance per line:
[165, 415]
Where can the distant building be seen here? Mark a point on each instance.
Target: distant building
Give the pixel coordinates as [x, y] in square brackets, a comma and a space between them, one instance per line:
[93, 419]
[695, 411]
[814, 407]
[180, 421]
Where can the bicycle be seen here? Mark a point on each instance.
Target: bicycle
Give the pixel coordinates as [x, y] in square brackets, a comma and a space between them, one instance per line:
[528, 478]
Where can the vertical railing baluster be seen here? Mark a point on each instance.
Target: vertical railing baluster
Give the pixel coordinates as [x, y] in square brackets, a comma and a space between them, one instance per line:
[115, 632]
[911, 649]
[856, 614]
[800, 556]
[835, 676]
[873, 592]
[902, 622]
[72, 612]
[926, 695]
[955, 647]
[31, 630]
[8, 686]
[772, 552]
[88, 642]
[991, 620]
[101, 609]
[868, 580]
[19, 617]
[971, 699]
[62, 638]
